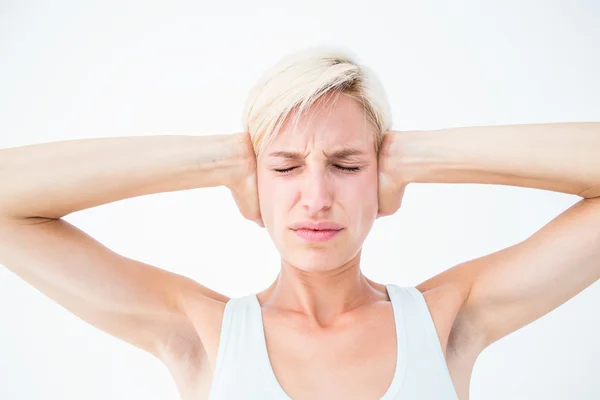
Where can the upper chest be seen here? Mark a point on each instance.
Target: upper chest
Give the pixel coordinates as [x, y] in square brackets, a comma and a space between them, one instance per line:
[354, 361]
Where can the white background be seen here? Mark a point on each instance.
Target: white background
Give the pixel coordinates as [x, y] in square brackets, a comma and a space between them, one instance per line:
[71, 70]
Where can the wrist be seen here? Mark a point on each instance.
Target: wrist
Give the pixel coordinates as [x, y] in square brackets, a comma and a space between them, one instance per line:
[418, 156]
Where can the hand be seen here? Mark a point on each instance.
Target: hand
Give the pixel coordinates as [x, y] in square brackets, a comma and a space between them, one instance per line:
[391, 184]
[244, 186]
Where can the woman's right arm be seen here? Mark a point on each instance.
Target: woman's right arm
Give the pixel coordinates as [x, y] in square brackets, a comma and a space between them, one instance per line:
[136, 302]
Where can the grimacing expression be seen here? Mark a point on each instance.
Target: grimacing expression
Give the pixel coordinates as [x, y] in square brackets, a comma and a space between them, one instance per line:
[316, 184]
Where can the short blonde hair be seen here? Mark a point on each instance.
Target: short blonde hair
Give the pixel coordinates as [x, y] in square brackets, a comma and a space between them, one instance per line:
[300, 79]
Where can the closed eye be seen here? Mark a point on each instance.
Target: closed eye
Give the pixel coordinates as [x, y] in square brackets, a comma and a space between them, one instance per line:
[346, 169]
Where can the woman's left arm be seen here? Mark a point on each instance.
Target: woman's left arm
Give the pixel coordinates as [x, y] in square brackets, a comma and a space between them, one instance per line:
[512, 287]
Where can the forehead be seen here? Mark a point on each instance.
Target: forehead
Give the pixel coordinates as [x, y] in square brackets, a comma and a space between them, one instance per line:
[331, 122]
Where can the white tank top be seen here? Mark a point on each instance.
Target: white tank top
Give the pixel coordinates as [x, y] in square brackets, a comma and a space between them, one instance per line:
[243, 369]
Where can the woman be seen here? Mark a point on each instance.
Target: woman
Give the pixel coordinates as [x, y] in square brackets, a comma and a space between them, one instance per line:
[316, 165]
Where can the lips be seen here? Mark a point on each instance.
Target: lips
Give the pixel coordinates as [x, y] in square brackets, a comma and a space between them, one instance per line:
[317, 226]
[312, 235]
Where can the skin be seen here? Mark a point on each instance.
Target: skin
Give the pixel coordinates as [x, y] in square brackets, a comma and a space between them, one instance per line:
[321, 304]
[320, 280]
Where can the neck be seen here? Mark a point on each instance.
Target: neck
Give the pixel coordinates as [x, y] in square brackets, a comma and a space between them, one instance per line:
[322, 296]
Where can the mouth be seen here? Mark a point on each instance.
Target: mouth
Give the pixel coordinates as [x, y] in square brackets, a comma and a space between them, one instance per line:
[317, 235]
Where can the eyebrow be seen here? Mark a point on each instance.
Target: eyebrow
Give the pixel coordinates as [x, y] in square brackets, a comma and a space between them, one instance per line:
[340, 154]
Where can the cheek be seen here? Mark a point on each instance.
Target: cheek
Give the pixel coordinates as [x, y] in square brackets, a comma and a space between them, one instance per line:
[265, 196]
[365, 188]
[272, 197]
[364, 196]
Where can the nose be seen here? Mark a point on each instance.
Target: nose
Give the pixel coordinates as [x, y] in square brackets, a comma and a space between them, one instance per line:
[317, 191]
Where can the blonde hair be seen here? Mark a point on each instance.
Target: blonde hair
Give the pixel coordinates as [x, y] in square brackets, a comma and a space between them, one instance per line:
[302, 78]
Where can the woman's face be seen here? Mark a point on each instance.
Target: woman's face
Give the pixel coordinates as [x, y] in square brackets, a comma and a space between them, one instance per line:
[314, 185]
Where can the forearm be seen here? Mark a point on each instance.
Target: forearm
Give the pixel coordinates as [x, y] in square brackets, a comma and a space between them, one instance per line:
[51, 180]
[562, 157]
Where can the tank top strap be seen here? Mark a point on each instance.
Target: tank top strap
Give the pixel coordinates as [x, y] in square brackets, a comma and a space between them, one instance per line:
[424, 358]
[241, 349]
[395, 295]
